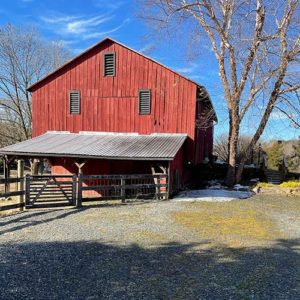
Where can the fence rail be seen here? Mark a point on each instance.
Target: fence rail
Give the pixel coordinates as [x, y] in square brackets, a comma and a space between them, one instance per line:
[6, 192]
[51, 188]
[75, 190]
[104, 187]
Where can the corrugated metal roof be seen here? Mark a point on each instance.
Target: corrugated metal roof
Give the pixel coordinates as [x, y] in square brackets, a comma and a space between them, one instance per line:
[100, 145]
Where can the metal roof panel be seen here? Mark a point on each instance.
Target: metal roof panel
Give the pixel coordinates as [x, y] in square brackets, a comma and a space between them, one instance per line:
[103, 146]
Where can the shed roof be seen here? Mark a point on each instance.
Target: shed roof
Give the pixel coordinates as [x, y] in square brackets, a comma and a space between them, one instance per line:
[100, 145]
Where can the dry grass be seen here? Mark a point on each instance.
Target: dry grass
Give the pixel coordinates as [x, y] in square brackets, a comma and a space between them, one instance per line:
[110, 215]
[9, 201]
[144, 235]
[236, 223]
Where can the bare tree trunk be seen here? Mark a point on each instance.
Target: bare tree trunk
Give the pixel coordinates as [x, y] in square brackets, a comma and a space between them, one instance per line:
[254, 44]
[233, 145]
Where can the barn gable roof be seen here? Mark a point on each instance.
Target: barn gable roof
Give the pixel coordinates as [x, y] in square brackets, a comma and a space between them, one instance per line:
[200, 87]
[96, 45]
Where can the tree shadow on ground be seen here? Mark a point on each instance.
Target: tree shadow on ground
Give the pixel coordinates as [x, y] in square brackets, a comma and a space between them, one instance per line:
[94, 270]
[26, 220]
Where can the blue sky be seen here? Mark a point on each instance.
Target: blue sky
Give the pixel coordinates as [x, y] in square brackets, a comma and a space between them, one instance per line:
[80, 24]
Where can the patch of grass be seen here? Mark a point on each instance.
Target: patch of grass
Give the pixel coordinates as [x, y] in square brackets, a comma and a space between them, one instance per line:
[264, 184]
[232, 223]
[9, 201]
[149, 235]
[107, 214]
[291, 184]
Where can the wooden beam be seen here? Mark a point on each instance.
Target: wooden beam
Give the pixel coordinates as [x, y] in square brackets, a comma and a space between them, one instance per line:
[21, 183]
[164, 169]
[6, 173]
[169, 182]
[156, 181]
[80, 165]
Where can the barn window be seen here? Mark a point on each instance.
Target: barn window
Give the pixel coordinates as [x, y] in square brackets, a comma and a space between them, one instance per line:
[144, 102]
[109, 64]
[74, 100]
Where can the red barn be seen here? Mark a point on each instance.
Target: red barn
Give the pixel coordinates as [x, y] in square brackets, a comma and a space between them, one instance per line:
[112, 110]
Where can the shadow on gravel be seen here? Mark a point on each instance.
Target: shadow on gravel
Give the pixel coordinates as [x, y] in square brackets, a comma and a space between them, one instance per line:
[93, 270]
[26, 220]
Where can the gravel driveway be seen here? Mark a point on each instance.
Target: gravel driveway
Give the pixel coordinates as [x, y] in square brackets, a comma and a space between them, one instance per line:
[245, 249]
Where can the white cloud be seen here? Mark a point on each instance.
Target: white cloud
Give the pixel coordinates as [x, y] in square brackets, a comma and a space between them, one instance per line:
[104, 4]
[147, 48]
[84, 25]
[80, 27]
[103, 33]
[278, 115]
[59, 20]
[187, 70]
[75, 24]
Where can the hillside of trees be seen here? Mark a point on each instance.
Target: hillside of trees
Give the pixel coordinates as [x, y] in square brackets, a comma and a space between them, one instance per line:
[276, 149]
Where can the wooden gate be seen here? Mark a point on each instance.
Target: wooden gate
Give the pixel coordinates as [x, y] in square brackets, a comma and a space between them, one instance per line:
[50, 190]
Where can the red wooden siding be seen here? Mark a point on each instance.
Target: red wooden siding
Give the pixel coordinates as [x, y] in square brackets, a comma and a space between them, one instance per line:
[111, 103]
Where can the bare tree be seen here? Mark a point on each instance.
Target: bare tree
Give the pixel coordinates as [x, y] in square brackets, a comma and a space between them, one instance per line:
[257, 49]
[24, 59]
[221, 149]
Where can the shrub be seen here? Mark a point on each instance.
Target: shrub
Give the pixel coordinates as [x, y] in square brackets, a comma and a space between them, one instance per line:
[264, 184]
[291, 184]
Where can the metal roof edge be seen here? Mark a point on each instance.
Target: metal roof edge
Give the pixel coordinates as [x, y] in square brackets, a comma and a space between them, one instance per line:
[37, 154]
[108, 133]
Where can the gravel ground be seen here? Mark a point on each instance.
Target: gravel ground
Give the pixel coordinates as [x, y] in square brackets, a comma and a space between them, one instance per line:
[244, 249]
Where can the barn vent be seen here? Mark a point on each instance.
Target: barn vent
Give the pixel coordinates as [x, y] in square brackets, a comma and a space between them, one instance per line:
[109, 64]
[144, 102]
[74, 102]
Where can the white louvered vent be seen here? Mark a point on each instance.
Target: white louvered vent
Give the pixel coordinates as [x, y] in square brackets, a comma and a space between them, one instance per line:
[74, 102]
[109, 64]
[144, 102]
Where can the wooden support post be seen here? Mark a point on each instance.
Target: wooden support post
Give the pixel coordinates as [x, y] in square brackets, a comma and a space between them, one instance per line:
[79, 193]
[80, 165]
[157, 181]
[74, 186]
[123, 183]
[34, 165]
[6, 174]
[27, 190]
[21, 182]
[168, 179]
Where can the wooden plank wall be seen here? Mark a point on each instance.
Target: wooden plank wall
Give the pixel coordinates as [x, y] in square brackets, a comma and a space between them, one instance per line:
[111, 103]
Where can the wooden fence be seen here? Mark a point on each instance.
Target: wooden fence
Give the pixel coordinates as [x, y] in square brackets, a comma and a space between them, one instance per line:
[73, 190]
[6, 191]
[113, 187]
